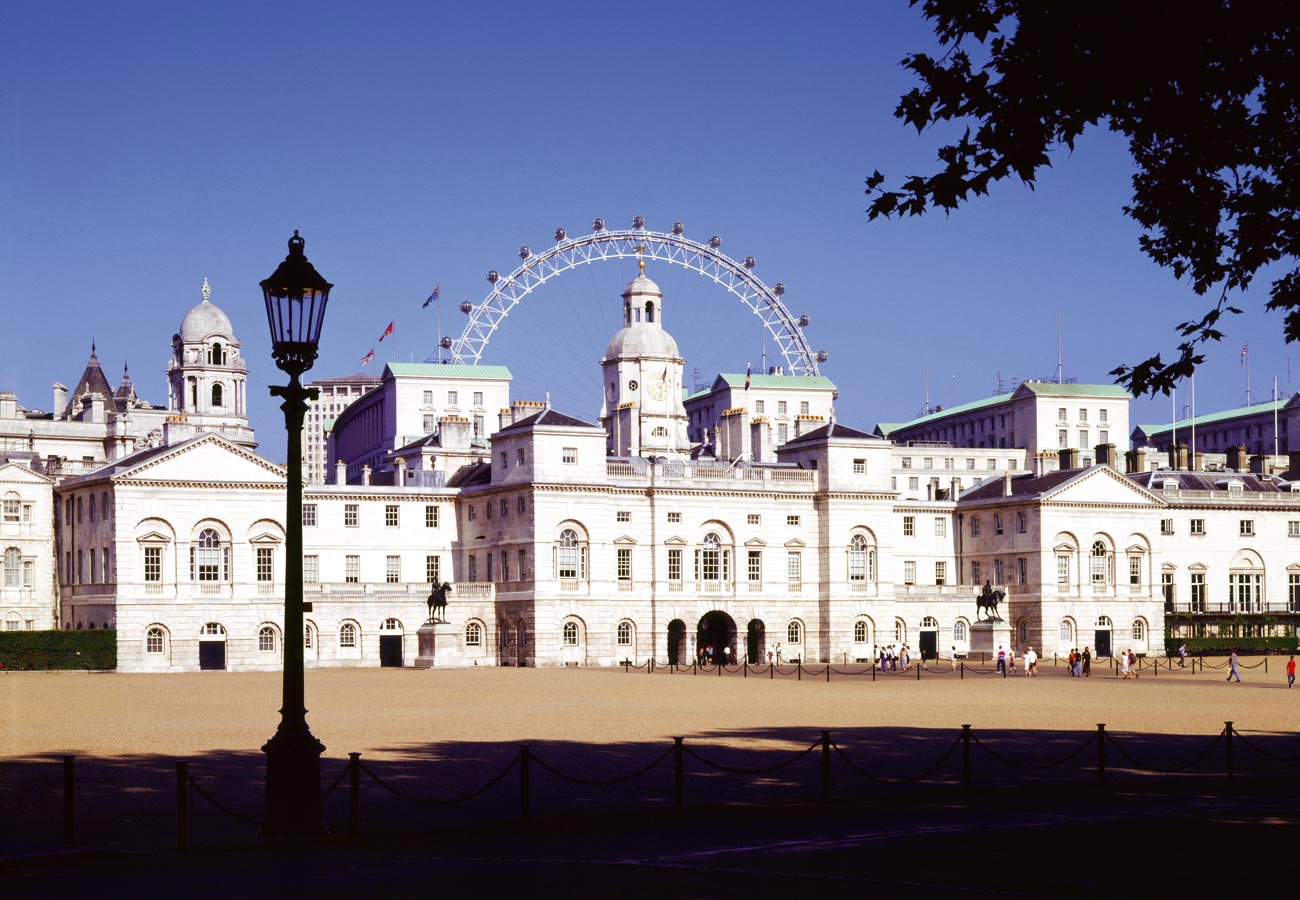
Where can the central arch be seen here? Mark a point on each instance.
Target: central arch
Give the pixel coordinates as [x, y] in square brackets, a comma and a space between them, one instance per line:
[602, 244]
[717, 629]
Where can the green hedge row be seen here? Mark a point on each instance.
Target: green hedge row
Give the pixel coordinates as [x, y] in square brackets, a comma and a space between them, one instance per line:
[1221, 646]
[35, 650]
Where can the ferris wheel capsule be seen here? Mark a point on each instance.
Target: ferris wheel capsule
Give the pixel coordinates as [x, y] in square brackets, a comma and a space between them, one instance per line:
[778, 288]
[492, 278]
[445, 343]
[466, 307]
[524, 252]
[598, 225]
[822, 356]
[678, 228]
[749, 262]
[715, 242]
[560, 234]
[638, 222]
[804, 321]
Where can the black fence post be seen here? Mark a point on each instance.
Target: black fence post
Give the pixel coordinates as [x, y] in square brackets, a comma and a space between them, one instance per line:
[828, 673]
[1228, 761]
[182, 805]
[826, 766]
[961, 676]
[744, 672]
[798, 668]
[720, 665]
[965, 757]
[918, 671]
[354, 795]
[695, 667]
[873, 671]
[679, 782]
[771, 671]
[69, 801]
[1101, 752]
[1266, 665]
[523, 782]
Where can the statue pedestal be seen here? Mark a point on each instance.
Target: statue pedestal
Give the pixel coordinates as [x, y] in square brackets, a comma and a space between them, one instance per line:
[439, 642]
[987, 636]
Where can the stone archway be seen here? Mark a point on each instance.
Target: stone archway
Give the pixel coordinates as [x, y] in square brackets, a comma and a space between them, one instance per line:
[717, 630]
[756, 642]
[678, 653]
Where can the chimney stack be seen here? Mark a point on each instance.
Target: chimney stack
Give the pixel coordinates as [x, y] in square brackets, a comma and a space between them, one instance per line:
[399, 473]
[340, 472]
[1106, 455]
[1237, 458]
[60, 399]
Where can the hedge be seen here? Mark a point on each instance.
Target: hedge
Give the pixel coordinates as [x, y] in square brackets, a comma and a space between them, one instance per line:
[33, 650]
[1222, 646]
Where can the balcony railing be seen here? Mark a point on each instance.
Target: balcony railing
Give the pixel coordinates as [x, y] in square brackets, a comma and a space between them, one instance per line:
[1230, 608]
[756, 475]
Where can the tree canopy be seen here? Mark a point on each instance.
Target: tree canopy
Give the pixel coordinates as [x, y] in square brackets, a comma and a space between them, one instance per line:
[1207, 93]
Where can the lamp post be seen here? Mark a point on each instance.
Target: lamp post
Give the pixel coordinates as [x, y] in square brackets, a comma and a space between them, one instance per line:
[295, 297]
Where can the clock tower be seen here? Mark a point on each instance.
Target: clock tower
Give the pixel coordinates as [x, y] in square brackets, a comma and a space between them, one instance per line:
[642, 411]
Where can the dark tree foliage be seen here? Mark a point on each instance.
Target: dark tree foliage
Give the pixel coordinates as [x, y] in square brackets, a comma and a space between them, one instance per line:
[1207, 93]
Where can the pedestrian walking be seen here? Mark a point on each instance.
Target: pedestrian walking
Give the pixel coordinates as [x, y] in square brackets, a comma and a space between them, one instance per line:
[1087, 663]
[1002, 660]
[1182, 656]
[1031, 662]
[954, 656]
[1123, 665]
[1290, 672]
[1232, 668]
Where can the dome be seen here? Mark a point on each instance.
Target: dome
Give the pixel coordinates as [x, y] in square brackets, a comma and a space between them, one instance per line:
[642, 286]
[205, 320]
[641, 341]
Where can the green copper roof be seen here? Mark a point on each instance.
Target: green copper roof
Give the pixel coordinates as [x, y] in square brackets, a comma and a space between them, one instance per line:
[737, 380]
[328, 424]
[948, 411]
[433, 370]
[1044, 388]
[1052, 389]
[1242, 412]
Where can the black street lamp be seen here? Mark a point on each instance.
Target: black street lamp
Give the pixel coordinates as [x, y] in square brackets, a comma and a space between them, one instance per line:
[295, 296]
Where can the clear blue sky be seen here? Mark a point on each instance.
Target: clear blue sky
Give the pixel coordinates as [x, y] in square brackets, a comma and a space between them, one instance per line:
[145, 146]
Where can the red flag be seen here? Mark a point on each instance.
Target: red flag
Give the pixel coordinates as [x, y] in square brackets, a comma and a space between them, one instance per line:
[369, 357]
[387, 332]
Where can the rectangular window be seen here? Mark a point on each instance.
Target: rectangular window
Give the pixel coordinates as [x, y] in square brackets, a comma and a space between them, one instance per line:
[625, 564]
[674, 518]
[523, 564]
[352, 569]
[1166, 526]
[1103, 436]
[997, 571]
[1061, 415]
[478, 426]
[265, 565]
[453, 398]
[1062, 439]
[940, 527]
[478, 398]
[1020, 523]
[505, 566]
[569, 456]
[351, 515]
[91, 504]
[1135, 570]
[755, 566]
[913, 483]
[487, 508]
[909, 571]
[520, 456]
[997, 523]
[433, 569]
[759, 407]
[1083, 438]
[471, 512]
[309, 515]
[1083, 415]
[1197, 526]
[521, 504]
[1199, 595]
[311, 569]
[859, 467]
[623, 515]
[803, 407]
[11, 510]
[1101, 414]
[393, 569]
[794, 567]
[1063, 569]
[473, 567]
[753, 518]
[428, 398]
[975, 526]
[431, 516]
[429, 424]
[940, 573]
[1022, 570]
[970, 464]
[675, 564]
[782, 433]
[390, 515]
[927, 463]
[504, 507]
[1247, 527]
[1293, 528]
[792, 520]
[906, 462]
[153, 564]
[780, 407]
[1167, 587]
[974, 572]
[909, 526]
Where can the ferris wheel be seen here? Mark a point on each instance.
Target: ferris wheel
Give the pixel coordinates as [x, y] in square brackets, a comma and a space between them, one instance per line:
[638, 242]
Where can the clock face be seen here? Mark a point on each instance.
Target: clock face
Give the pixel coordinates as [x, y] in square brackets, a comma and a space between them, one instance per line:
[656, 390]
[631, 385]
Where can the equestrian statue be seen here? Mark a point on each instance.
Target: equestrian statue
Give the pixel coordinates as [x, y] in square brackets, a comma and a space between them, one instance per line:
[438, 602]
[987, 602]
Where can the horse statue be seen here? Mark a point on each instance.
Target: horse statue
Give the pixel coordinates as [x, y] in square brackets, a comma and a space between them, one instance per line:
[438, 602]
[988, 601]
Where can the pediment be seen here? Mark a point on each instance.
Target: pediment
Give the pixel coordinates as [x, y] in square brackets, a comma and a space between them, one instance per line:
[12, 473]
[1102, 484]
[209, 459]
[795, 543]
[1294, 567]
[265, 538]
[1198, 567]
[154, 537]
[1065, 548]
[625, 539]
[755, 542]
[675, 541]
[1135, 549]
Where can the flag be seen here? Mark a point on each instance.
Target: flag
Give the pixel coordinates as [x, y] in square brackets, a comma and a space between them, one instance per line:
[433, 296]
[368, 358]
[1245, 349]
[748, 370]
[387, 331]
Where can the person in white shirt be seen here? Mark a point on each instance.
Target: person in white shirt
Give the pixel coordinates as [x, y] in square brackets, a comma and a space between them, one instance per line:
[1031, 662]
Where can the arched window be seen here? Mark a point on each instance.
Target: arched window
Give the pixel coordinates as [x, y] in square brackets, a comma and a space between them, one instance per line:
[650, 312]
[900, 631]
[473, 635]
[266, 639]
[794, 634]
[348, 635]
[858, 567]
[659, 432]
[570, 634]
[216, 395]
[391, 625]
[308, 635]
[1101, 566]
[1022, 630]
[1067, 631]
[210, 559]
[213, 629]
[155, 641]
[959, 631]
[570, 556]
[860, 633]
[216, 354]
[13, 568]
[929, 622]
[625, 634]
[712, 560]
[11, 506]
[1103, 622]
[1139, 630]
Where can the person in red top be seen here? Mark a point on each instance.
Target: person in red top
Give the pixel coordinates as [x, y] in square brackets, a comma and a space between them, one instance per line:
[1290, 672]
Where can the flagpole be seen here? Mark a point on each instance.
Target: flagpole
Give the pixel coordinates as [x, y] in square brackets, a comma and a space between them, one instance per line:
[1275, 415]
[437, 337]
[1192, 456]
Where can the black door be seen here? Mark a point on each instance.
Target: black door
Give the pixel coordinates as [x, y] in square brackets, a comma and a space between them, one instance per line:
[677, 643]
[390, 650]
[929, 645]
[212, 655]
[1102, 642]
[756, 642]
